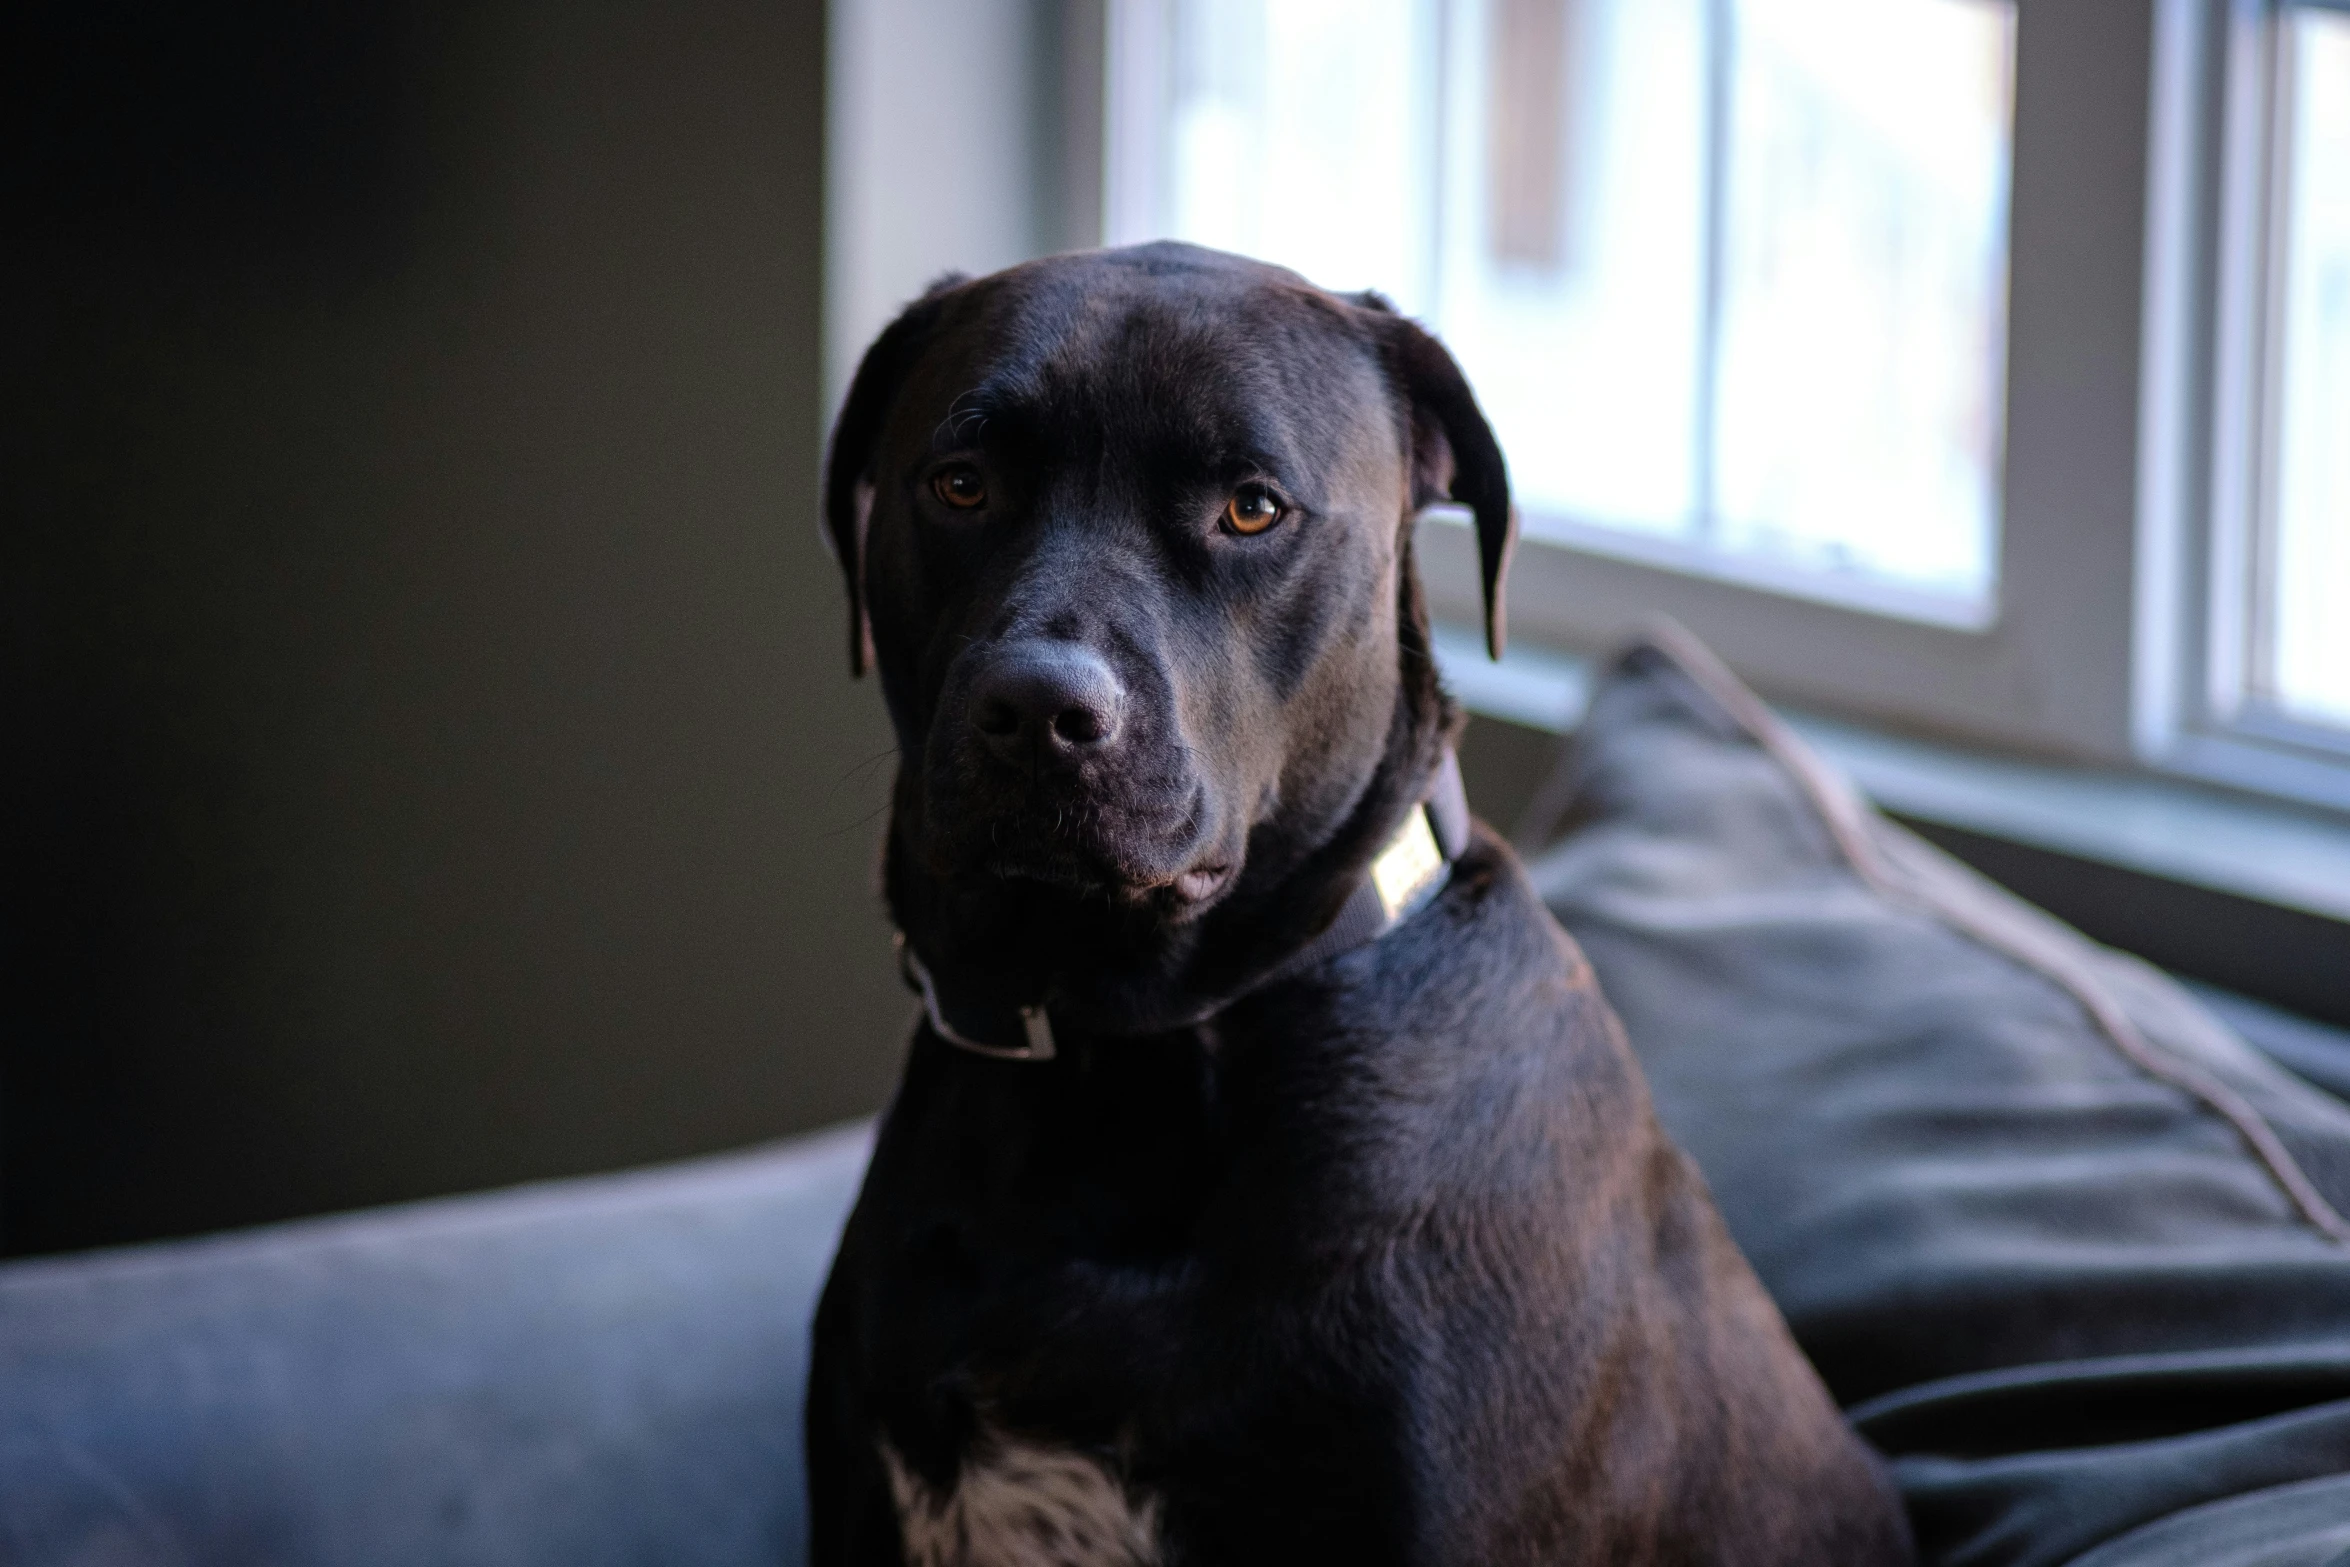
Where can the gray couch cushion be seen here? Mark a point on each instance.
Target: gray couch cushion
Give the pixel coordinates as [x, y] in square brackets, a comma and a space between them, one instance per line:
[2069, 1249]
[602, 1371]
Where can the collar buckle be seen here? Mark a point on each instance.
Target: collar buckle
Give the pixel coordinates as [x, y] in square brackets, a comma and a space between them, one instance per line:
[1036, 1026]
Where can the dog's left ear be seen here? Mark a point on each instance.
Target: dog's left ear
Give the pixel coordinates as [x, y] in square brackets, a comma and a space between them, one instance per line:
[848, 468]
[1454, 455]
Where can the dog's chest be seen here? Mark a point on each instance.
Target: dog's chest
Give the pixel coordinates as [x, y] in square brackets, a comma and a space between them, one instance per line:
[1022, 1504]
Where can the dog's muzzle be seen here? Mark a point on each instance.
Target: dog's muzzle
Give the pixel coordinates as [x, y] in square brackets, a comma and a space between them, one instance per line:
[1406, 874]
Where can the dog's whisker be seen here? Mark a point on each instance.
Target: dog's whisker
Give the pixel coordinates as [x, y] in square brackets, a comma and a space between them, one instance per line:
[866, 820]
[867, 765]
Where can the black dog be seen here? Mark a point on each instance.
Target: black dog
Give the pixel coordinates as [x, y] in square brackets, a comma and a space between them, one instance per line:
[1318, 1213]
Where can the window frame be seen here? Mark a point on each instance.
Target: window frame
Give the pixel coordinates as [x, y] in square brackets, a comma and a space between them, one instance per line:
[2141, 233]
[2212, 331]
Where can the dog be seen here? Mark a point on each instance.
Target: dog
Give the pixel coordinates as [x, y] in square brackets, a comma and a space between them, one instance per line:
[1268, 1180]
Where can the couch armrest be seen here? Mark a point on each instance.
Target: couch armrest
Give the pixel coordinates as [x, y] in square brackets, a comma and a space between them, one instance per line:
[603, 1370]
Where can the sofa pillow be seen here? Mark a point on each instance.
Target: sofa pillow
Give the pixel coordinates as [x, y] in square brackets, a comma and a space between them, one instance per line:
[2070, 1253]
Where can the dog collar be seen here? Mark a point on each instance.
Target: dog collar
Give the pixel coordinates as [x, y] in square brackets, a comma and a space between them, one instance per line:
[1409, 870]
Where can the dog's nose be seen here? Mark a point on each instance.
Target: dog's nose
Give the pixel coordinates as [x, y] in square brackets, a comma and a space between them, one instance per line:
[1047, 701]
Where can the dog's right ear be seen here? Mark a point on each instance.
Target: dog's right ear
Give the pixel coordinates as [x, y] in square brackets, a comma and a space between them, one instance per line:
[848, 466]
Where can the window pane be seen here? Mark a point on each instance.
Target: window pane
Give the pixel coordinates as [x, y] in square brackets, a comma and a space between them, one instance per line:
[1571, 267]
[1864, 287]
[1303, 132]
[2309, 573]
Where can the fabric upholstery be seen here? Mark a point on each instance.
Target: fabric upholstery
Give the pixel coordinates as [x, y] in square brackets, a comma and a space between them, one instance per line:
[2077, 1303]
[585, 1374]
[2314, 1052]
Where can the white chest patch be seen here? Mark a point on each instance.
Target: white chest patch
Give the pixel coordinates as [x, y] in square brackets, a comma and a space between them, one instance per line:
[1017, 1504]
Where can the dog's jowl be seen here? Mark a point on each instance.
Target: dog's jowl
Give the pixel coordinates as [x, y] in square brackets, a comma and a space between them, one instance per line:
[1269, 1181]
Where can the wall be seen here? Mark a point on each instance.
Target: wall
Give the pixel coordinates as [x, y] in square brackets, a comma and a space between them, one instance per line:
[429, 757]
[962, 135]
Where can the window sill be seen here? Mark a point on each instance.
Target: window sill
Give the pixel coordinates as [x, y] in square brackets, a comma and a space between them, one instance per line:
[2237, 891]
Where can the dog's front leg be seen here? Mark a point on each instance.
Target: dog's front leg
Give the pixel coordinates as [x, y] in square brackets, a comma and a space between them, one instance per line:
[851, 1519]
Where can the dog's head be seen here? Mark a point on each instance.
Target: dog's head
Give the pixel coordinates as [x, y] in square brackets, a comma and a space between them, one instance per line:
[1127, 535]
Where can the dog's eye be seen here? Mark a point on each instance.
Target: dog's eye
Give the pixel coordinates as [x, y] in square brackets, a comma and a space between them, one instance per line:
[959, 487]
[1252, 509]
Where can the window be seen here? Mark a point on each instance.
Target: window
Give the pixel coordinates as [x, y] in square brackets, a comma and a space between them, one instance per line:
[1729, 275]
[1980, 369]
[2300, 663]
[1862, 318]
[2263, 645]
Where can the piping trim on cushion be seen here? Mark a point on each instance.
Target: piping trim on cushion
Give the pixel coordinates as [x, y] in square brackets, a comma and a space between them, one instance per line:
[1847, 816]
